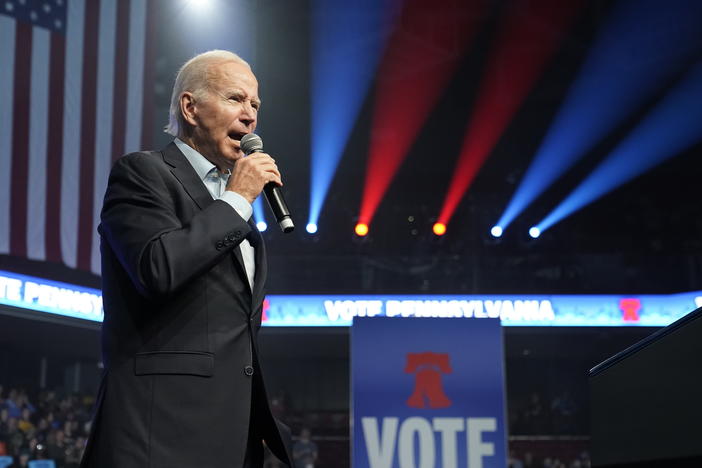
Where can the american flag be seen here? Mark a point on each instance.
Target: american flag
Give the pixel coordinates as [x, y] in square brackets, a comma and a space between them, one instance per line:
[72, 80]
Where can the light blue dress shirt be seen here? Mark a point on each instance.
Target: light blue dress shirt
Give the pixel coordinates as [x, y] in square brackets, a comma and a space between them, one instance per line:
[216, 182]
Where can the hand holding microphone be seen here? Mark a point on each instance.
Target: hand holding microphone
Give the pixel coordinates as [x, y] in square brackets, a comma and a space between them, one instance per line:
[253, 167]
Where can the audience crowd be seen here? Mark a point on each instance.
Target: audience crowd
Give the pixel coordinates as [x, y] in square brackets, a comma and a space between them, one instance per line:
[528, 460]
[50, 425]
[42, 425]
[536, 414]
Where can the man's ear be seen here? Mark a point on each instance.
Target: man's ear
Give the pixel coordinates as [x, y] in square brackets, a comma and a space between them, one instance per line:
[187, 108]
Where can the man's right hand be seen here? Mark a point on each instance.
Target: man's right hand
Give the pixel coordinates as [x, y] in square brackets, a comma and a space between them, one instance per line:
[251, 174]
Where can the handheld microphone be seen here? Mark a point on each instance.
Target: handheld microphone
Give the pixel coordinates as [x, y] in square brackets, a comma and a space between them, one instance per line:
[252, 143]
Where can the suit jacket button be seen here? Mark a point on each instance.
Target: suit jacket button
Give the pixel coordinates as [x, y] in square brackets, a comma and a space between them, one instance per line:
[219, 245]
[248, 370]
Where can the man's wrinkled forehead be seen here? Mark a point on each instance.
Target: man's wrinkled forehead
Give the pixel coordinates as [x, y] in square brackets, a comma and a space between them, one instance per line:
[224, 75]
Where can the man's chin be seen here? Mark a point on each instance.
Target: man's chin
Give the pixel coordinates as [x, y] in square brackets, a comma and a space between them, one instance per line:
[233, 156]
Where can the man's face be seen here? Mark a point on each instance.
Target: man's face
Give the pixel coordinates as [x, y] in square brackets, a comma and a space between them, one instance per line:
[226, 112]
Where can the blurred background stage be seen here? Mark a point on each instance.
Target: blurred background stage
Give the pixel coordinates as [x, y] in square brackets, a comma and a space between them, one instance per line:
[473, 150]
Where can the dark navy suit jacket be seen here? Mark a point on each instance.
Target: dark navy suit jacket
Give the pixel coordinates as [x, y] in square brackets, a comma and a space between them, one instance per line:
[179, 335]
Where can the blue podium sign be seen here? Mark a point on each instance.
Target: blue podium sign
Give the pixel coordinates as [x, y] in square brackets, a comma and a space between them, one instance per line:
[427, 393]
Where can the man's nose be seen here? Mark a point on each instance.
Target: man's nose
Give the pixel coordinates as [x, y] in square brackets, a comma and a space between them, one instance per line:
[248, 115]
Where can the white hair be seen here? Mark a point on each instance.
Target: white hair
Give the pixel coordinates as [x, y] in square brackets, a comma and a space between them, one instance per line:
[195, 77]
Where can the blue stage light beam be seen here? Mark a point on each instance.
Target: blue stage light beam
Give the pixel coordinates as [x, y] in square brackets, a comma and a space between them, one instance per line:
[641, 45]
[672, 127]
[258, 215]
[348, 38]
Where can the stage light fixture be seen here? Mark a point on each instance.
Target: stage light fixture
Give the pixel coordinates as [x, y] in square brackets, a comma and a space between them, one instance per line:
[534, 232]
[311, 228]
[262, 226]
[361, 229]
[496, 231]
[439, 229]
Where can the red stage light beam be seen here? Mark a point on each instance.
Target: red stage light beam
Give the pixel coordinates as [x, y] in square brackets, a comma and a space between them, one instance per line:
[421, 57]
[528, 37]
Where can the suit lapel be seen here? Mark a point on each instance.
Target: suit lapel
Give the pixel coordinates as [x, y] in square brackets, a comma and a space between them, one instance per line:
[261, 266]
[239, 261]
[186, 175]
[195, 188]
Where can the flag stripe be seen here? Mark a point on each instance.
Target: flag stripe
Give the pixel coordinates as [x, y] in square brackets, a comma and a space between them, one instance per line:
[104, 135]
[71, 131]
[7, 55]
[148, 84]
[20, 141]
[120, 80]
[87, 134]
[73, 77]
[55, 153]
[38, 120]
[137, 25]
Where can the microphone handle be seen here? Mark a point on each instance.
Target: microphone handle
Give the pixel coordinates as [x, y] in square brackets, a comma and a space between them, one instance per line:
[274, 197]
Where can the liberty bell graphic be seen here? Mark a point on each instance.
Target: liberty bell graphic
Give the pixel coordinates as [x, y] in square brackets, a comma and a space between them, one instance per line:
[428, 369]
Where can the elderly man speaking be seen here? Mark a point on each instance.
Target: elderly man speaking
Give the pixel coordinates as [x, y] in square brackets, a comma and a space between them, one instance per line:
[183, 271]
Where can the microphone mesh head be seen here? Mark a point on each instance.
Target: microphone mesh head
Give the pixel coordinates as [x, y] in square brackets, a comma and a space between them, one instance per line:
[251, 143]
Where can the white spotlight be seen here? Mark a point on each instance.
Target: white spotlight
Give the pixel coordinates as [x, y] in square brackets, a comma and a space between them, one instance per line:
[496, 231]
[534, 232]
[199, 6]
[311, 228]
[262, 226]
